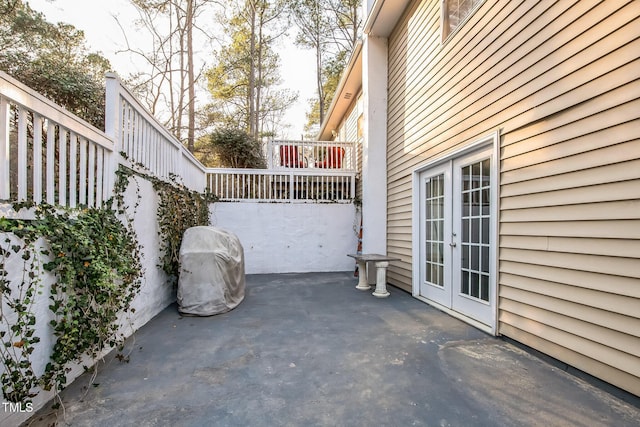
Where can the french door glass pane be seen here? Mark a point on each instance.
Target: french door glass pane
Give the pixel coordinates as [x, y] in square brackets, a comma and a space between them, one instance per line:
[434, 226]
[476, 207]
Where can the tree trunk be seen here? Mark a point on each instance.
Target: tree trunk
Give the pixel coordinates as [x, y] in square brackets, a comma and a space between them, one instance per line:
[252, 69]
[191, 80]
[319, 82]
[180, 108]
[258, 112]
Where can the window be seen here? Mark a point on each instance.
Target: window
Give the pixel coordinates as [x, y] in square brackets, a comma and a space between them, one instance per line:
[454, 12]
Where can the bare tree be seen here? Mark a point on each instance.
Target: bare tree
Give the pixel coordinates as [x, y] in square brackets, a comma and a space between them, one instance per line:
[246, 69]
[314, 33]
[169, 84]
[346, 20]
[331, 28]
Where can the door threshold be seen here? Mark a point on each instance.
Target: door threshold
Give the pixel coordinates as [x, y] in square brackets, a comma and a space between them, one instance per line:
[478, 325]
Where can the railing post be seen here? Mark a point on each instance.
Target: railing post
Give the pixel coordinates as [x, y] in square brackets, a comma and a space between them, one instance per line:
[353, 187]
[112, 128]
[270, 154]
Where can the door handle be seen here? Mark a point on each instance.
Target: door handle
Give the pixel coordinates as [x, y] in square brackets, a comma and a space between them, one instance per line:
[453, 244]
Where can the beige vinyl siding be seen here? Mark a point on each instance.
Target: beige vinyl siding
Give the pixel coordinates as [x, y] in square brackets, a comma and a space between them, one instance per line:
[348, 131]
[352, 124]
[561, 80]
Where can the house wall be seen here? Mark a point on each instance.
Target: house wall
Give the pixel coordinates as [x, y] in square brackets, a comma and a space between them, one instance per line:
[561, 81]
[291, 237]
[350, 129]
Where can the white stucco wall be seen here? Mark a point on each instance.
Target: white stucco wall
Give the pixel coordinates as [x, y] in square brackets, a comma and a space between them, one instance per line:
[291, 237]
[154, 294]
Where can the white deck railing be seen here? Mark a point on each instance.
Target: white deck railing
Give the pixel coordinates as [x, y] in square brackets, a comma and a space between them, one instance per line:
[145, 141]
[48, 154]
[325, 155]
[294, 185]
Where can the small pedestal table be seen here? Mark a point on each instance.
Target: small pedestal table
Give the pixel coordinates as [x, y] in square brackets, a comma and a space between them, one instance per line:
[381, 263]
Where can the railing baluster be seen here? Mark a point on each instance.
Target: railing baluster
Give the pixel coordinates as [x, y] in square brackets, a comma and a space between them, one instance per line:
[126, 122]
[152, 150]
[92, 172]
[140, 142]
[82, 199]
[99, 175]
[135, 141]
[22, 154]
[62, 165]
[165, 161]
[131, 126]
[135, 149]
[234, 185]
[51, 162]
[5, 161]
[144, 144]
[291, 187]
[73, 168]
[129, 129]
[158, 154]
[37, 158]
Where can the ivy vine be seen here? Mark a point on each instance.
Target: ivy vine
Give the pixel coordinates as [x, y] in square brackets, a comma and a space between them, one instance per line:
[178, 209]
[95, 258]
[16, 312]
[96, 263]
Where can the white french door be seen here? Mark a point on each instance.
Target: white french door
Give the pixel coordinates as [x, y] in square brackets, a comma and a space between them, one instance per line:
[456, 253]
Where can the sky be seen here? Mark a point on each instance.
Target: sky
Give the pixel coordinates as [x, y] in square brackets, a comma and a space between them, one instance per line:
[97, 18]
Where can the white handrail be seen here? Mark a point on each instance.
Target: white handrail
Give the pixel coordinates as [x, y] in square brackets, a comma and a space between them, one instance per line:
[21, 94]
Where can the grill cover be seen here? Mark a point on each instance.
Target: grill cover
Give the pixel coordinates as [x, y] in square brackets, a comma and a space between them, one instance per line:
[212, 276]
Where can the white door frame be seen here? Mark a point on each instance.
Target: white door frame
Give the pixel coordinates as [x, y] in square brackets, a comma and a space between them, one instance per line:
[490, 140]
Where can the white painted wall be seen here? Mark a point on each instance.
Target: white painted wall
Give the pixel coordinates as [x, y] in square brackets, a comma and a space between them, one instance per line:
[291, 237]
[154, 295]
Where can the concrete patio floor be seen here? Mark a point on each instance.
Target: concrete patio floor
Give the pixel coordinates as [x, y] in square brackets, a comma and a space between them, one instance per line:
[310, 349]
